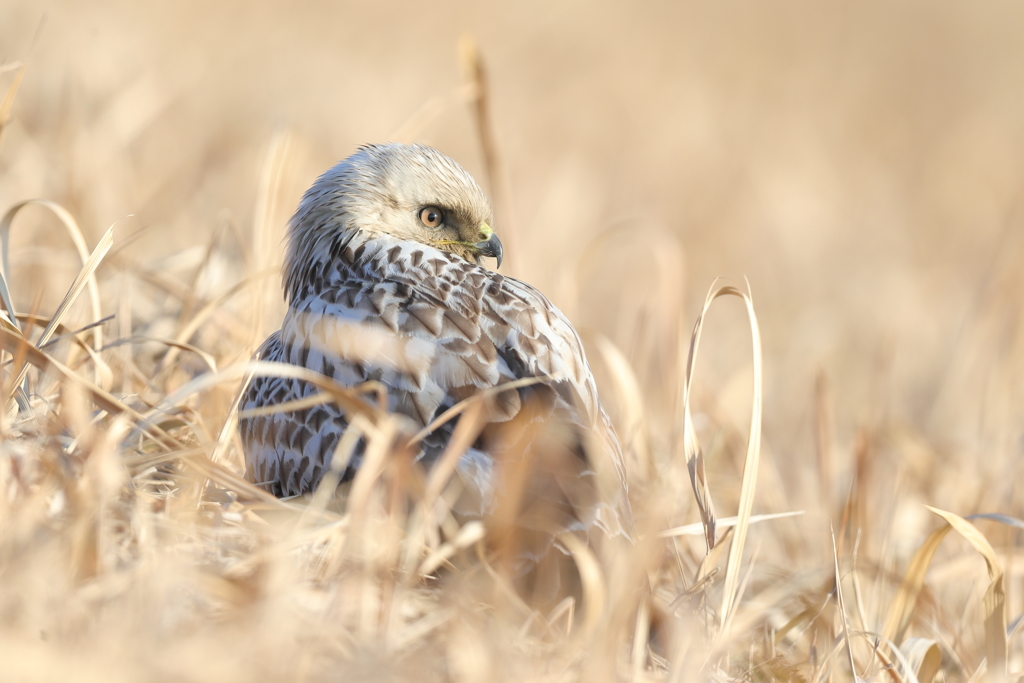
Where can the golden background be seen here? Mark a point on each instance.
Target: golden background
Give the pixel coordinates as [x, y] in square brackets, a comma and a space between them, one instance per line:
[860, 163]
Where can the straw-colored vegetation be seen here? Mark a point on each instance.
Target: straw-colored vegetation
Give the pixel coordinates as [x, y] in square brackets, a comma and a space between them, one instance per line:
[800, 445]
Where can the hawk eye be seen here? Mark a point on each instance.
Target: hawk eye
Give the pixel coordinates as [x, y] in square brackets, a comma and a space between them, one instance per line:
[431, 216]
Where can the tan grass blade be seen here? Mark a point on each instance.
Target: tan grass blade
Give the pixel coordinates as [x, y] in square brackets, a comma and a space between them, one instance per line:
[474, 78]
[104, 377]
[86, 276]
[751, 461]
[314, 399]
[104, 373]
[228, 430]
[264, 247]
[900, 670]
[632, 402]
[466, 431]
[5, 294]
[12, 341]
[207, 358]
[924, 657]
[824, 435]
[63, 331]
[995, 595]
[857, 592]
[842, 605]
[694, 456]
[6, 323]
[641, 634]
[204, 314]
[563, 611]
[71, 225]
[470, 533]
[980, 674]
[380, 444]
[594, 589]
[825, 666]
[18, 346]
[691, 445]
[351, 400]
[724, 523]
[8, 101]
[709, 564]
[225, 477]
[901, 610]
[327, 488]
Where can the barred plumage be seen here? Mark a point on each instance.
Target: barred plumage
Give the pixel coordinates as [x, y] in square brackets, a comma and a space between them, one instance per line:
[376, 292]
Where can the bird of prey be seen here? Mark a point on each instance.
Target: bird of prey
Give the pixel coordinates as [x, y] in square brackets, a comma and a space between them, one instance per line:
[383, 280]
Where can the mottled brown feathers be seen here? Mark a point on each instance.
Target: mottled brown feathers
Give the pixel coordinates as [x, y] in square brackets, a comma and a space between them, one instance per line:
[373, 294]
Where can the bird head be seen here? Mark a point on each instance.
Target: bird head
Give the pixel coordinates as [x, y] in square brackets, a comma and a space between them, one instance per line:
[410, 192]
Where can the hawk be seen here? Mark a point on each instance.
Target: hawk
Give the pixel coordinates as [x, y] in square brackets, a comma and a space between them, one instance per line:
[383, 280]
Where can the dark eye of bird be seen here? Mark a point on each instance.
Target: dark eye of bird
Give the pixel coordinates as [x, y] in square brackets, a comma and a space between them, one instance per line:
[431, 216]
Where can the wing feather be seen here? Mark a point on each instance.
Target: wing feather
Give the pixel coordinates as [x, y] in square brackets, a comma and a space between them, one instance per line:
[434, 329]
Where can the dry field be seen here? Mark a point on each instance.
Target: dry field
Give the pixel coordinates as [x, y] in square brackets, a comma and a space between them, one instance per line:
[860, 164]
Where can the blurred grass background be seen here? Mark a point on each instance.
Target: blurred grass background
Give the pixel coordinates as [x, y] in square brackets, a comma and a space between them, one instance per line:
[860, 163]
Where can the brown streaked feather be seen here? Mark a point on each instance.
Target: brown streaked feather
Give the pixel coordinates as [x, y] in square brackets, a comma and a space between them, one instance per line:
[367, 301]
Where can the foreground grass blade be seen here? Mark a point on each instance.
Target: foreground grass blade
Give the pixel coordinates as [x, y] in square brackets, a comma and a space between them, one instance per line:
[19, 347]
[695, 459]
[995, 594]
[75, 232]
[901, 611]
[750, 463]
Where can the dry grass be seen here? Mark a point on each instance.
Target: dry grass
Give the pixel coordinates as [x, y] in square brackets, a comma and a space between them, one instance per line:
[860, 166]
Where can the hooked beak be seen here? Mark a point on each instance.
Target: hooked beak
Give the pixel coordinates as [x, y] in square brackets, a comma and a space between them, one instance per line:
[492, 247]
